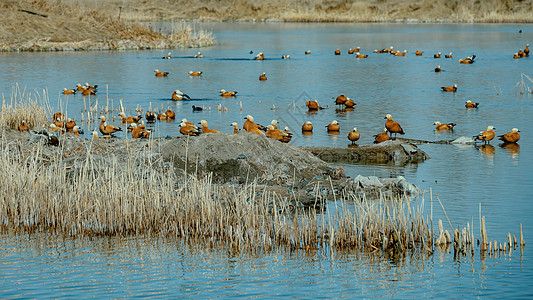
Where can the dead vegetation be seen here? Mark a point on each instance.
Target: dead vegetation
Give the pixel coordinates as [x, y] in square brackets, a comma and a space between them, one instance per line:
[323, 10]
[83, 188]
[42, 25]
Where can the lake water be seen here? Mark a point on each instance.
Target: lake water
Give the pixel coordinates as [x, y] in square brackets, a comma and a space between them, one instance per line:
[463, 177]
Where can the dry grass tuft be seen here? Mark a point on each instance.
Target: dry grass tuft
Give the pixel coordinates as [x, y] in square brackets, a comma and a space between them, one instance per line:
[25, 106]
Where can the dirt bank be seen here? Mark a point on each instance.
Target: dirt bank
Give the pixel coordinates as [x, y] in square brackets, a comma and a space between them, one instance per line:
[43, 25]
[322, 10]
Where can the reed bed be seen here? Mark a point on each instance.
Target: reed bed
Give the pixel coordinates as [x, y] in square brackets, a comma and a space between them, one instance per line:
[107, 195]
[87, 188]
[33, 108]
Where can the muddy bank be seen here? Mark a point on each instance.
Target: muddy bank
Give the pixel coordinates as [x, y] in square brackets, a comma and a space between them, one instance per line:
[231, 160]
[43, 25]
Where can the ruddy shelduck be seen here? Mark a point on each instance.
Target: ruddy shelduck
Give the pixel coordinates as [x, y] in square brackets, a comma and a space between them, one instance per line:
[90, 87]
[59, 123]
[349, 103]
[401, 53]
[359, 55]
[440, 126]
[436, 55]
[188, 130]
[333, 126]
[392, 126]
[307, 52]
[225, 93]
[287, 137]
[68, 92]
[189, 123]
[353, 135]
[337, 52]
[160, 74]
[274, 133]
[235, 127]
[54, 128]
[179, 95]
[170, 114]
[70, 124]
[526, 50]
[195, 73]
[88, 92]
[249, 124]
[76, 130]
[107, 129]
[448, 55]
[449, 88]
[260, 56]
[168, 56]
[307, 127]
[381, 137]
[313, 105]
[274, 124]
[438, 69]
[468, 60]
[341, 99]
[418, 52]
[129, 120]
[205, 128]
[487, 135]
[23, 126]
[262, 77]
[198, 55]
[161, 116]
[470, 104]
[286, 56]
[510, 137]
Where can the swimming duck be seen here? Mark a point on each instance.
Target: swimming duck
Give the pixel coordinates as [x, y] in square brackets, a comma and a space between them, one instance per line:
[510, 137]
[179, 95]
[449, 88]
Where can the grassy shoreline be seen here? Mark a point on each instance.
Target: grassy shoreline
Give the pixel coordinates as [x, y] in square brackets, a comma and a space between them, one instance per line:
[438, 11]
[58, 25]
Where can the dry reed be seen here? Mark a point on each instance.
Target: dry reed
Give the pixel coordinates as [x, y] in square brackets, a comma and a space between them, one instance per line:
[33, 108]
[86, 188]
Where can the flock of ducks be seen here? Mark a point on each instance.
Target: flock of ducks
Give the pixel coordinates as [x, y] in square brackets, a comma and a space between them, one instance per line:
[391, 129]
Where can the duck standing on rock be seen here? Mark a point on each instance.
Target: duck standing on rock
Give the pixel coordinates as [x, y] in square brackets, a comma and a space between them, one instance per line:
[392, 126]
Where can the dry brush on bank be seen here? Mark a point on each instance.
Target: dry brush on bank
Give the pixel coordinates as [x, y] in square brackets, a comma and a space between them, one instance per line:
[43, 25]
[324, 10]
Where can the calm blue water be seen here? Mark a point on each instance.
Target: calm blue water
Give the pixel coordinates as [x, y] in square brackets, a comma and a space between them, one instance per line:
[406, 87]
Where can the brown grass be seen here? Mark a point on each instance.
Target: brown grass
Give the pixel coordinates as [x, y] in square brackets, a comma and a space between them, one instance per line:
[323, 10]
[74, 26]
[26, 106]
